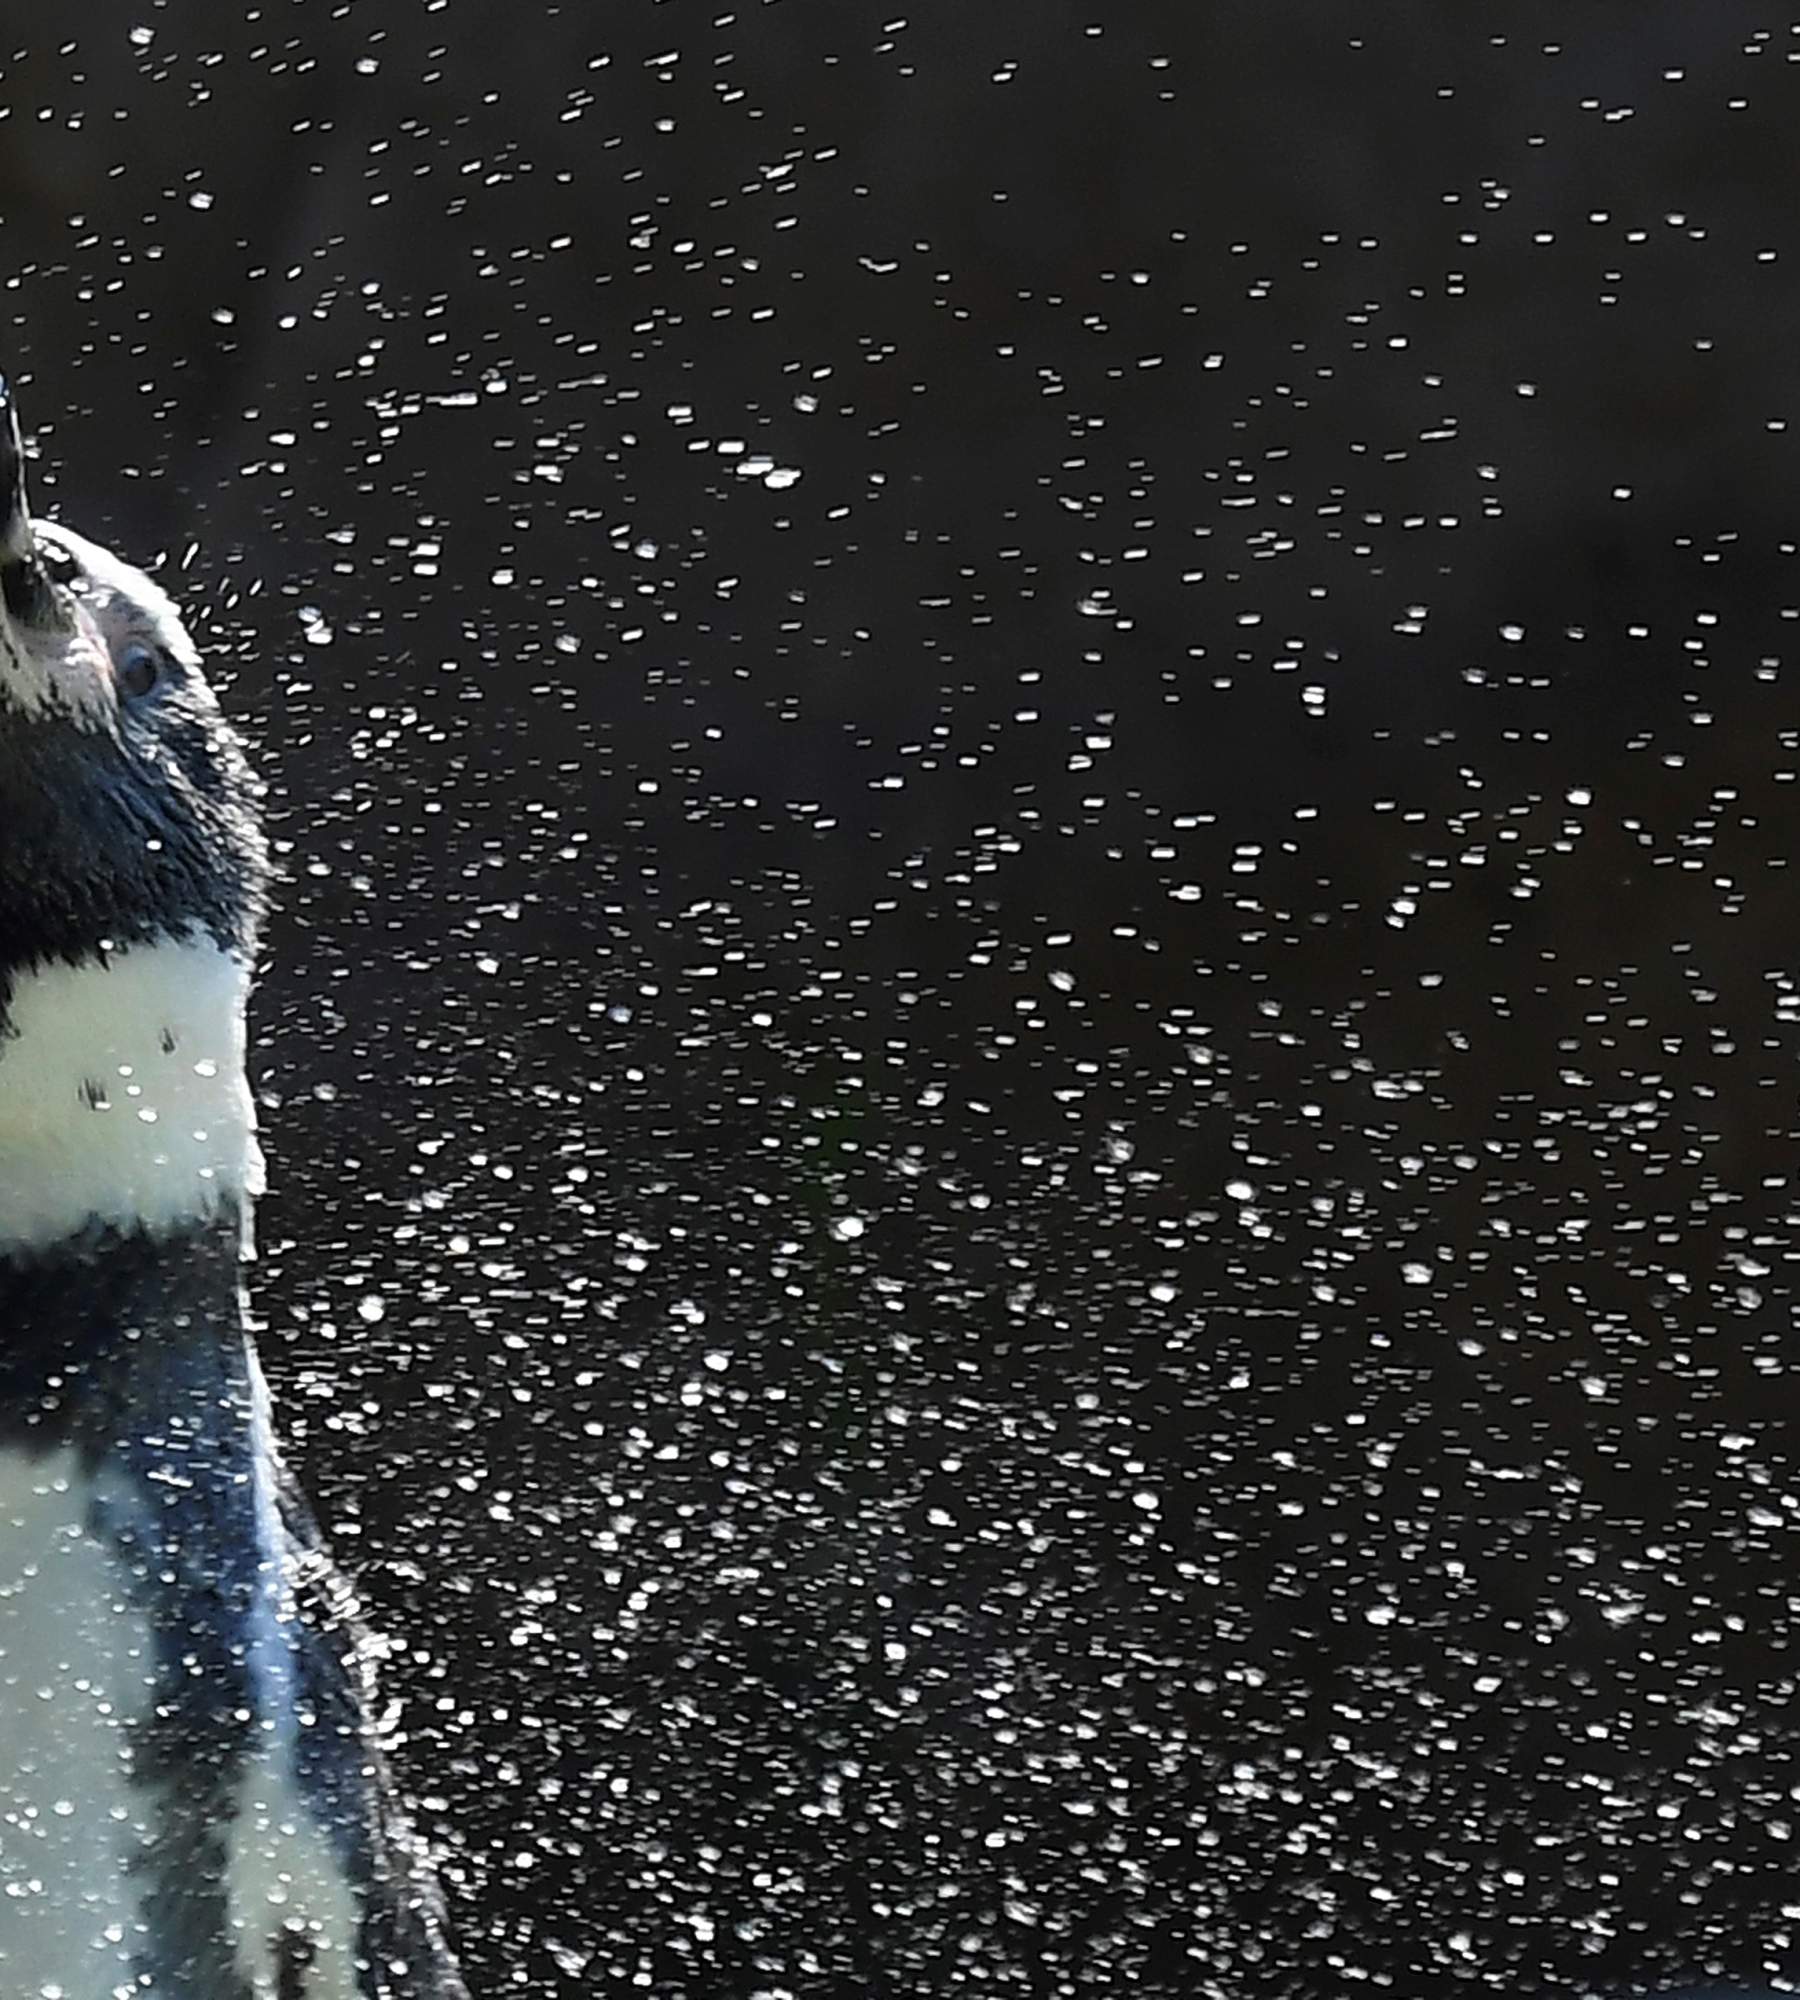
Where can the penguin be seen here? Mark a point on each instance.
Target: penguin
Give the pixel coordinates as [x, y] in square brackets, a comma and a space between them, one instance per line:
[195, 1802]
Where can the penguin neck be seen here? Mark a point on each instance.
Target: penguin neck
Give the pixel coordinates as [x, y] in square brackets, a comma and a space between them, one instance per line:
[124, 1103]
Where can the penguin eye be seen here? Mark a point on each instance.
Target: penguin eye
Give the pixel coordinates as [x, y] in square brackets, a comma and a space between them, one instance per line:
[139, 670]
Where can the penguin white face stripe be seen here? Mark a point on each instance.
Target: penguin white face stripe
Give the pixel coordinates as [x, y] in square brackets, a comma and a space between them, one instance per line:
[123, 1098]
[113, 589]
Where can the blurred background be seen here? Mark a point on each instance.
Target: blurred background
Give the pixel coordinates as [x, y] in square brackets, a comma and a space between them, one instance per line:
[1031, 1049]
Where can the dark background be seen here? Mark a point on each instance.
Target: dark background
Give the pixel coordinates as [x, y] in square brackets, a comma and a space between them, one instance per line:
[1034, 1200]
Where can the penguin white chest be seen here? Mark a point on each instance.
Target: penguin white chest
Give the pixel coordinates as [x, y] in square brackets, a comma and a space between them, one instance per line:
[77, 1669]
[123, 1099]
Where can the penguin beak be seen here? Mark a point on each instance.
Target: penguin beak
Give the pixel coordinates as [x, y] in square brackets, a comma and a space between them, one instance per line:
[15, 530]
[24, 586]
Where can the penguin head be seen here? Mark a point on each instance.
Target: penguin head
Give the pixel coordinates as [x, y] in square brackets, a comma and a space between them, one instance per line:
[128, 812]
